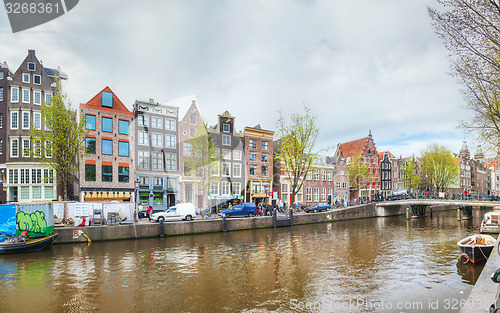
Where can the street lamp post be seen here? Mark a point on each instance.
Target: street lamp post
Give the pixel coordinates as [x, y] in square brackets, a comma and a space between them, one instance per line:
[137, 182]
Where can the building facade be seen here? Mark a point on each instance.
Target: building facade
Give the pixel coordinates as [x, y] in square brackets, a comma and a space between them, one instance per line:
[319, 181]
[341, 183]
[157, 153]
[386, 179]
[107, 171]
[32, 86]
[259, 164]
[229, 142]
[5, 79]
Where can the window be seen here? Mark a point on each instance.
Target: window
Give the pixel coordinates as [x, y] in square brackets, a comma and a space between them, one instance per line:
[37, 148]
[226, 169]
[330, 175]
[156, 122]
[26, 119]
[1, 146]
[215, 168]
[284, 188]
[37, 97]
[265, 171]
[142, 120]
[308, 194]
[26, 78]
[253, 156]
[265, 157]
[14, 94]
[316, 194]
[123, 126]
[144, 160]
[170, 141]
[265, 145]
[14, 148]
[49, 192]
[14, 120]
[226, 140]
[169, 124]
[170, 162]
[37, 120]
[107, 99]
[255, 187]
[107, 147]
[144, 181]
[143, 138]
[123, 174]
[25, 193]
[90, 121]
[37, 79]
[309, 175]
[31, 66]
[123, 148]
[338, 184]
[323, 175]
[214, 189]
[225, 188]
[225, 128]
[157, 140]
[107, 124]
[237, 155]
[316, 174]
[48, 97]
[157, 160]
[37, 192]
[236, 170]
[226, 154]
[1, 92]
[1, 75]
[48, 149]
[323, 194]
[158, 181]
[192, 119]
[13, 176]
[26, 148]
[26, 96]
[252, 143]
[236, 188]
[253, 170]
[107, 173]
[90, 172]
[187, 149]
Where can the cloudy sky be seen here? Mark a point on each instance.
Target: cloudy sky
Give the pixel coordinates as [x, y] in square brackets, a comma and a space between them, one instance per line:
[359, 65]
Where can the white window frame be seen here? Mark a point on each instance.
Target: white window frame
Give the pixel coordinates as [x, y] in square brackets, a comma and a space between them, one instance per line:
[214, 189]
[144, 156]
[37, 115]
[228, 128]
[157, 155]
[12, 93]
[237, 172]
[236, 187]
[170, 122]
[226, 165]
[229, 140]
[226, 154]
[316, 194]
[237, 155]
[12, 140]
[26, 151]
[143, 139]
[39, 93]
[26, 78]
[34, 66]
[28, 93]
[308, 194]
[329, 174]
[168, 141]
[143, 120]
[23, 115]
[48, 96]
[12, 113]
[156, 118]
[36, 75]
[225, 188]
[157, 140]
[48, 149]
[1, 92]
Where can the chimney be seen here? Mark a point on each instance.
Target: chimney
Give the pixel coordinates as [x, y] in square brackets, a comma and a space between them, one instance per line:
[31, 52]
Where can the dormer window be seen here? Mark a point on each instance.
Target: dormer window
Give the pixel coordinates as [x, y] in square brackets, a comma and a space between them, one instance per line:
[107, 99]
[225, 128]
[31, 66]
[26, 78]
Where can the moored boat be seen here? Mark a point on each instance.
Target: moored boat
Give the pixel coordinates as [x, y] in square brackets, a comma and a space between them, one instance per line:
[475, 248]
[27, 245]
[490, 222]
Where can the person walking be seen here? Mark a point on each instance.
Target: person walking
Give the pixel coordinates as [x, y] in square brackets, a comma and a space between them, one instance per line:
[150, 210]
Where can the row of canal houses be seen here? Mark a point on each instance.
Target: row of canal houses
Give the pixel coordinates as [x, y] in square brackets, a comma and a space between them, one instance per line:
[140, 153]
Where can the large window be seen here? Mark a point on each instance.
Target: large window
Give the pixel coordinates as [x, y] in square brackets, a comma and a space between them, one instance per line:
[123, 148]
[14, 120]
[316, 194]
[107, 124]
[26, 78]
[187, 149]
[169, 124]
[143, 138]
[157, 140]
[236, 189]
[123, 174]
[48, 97]
[123, 126]
[37, 120]
[265, 145]
[226, 169]
[14, 148]
[170, 162]
[253, 156]
[236, 170]
[330, 175]
[252, 143]
[226, 154]
[107, 173]
[265, 157]
[144, 160]
[237, 155]
[323, 175]
[323, 194]
[255, 187]
[26, 148]
[308, 194]
[14, 94]
[253, 170]
[225, 188]
[26, 119]
[214, 189]
[1, 93]
[156, 122]
[265, 171]
[26, 95]
[142, 120]
[107, 147]
[37, 97]
[226, 140]
[316, 174]
[157, 160]
[170, 141]
[90, 121]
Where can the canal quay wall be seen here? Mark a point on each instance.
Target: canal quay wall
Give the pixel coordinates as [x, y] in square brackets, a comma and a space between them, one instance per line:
[198, 226]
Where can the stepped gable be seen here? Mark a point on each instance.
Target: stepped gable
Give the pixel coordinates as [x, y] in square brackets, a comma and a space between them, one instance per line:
[96, 103]
[353, 148]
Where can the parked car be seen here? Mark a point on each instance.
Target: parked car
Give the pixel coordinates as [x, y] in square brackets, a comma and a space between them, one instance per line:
[181, 211]
[318, 207]
[242, 209]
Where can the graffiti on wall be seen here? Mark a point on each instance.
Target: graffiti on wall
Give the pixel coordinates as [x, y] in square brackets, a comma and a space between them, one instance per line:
[34, 223]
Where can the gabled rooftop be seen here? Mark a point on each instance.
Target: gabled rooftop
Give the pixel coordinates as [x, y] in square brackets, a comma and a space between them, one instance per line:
[97, 103]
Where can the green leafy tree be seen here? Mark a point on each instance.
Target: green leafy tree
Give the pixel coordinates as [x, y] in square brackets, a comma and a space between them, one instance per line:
[295, 147]
[61, 144]
[203, 162]
[358, 173]
[440, 167]
[470, 31]
[411, 175]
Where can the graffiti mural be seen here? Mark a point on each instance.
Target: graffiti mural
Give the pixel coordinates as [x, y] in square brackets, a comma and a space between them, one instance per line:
[34, 223]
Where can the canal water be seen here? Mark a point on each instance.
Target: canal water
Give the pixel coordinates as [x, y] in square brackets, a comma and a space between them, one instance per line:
[369, 265]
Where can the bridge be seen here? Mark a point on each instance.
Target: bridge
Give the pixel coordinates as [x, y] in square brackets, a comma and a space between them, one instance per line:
[399, 207]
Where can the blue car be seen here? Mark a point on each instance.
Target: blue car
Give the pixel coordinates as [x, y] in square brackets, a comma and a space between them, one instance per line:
[242, 209]
[318, 207]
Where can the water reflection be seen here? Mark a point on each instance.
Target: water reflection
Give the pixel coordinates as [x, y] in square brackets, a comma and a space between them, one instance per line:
[384, 259]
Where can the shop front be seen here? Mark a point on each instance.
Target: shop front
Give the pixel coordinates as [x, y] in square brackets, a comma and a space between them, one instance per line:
[218, 203]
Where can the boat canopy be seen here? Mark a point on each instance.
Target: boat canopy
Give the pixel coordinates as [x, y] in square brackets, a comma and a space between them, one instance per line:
[7, 220]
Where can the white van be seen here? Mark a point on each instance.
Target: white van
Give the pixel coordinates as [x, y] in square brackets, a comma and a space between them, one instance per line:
[181, 211]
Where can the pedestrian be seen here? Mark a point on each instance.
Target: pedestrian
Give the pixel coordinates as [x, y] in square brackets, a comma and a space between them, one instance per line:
[150, 210]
